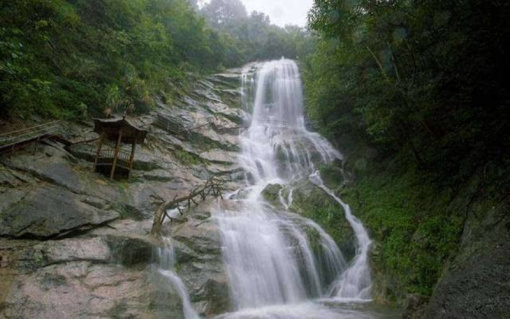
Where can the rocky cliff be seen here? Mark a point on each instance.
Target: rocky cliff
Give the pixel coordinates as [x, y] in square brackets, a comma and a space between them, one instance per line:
[75, 244]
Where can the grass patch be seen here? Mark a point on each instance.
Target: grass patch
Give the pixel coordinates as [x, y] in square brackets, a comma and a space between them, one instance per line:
[417, 230]
[187, 159]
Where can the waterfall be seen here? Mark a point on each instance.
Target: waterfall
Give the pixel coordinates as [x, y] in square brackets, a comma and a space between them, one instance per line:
[166, 255]
[268, 253]
[355, 282]
[277, 147]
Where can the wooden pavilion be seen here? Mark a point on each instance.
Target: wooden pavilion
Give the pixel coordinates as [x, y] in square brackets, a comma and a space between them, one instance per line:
[116, 162]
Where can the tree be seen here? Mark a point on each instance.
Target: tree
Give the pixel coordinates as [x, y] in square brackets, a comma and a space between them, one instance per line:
[422, 74]
[223, 13]
[63, 58]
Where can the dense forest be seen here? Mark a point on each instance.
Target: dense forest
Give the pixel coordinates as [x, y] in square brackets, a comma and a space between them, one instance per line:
[415, 94]
[252, 37]
[70, 59]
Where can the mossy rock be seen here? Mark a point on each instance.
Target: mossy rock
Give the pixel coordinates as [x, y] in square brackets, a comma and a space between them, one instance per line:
[313, 203]
[333, 175]
[272, 194]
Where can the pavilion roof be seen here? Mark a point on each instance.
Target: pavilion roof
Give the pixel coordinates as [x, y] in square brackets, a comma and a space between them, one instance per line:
[112, 127]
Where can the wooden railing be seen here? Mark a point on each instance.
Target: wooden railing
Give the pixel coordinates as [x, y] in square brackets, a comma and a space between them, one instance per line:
[123, 155]
[170, 125]
[11, 139]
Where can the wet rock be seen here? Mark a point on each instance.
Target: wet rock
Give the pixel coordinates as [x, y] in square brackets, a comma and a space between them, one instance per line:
[78, 277]
[231, 77]
[218, 156]
[159, 175]
[199, 260]
[216, 294]
[183, 253]
[415, 306]
[311, 202]
[34, 257]
[201, 236]
[70, 250]
[12, 179]
[211, 139]
[10, 197]
[272, 194]
[51, 212]
[96, 202]
[131, 250]
[82, 289]
[58, 171]
[55, 169]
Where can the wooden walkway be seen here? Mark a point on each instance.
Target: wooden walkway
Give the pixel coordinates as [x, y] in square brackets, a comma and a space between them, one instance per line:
[14, 139]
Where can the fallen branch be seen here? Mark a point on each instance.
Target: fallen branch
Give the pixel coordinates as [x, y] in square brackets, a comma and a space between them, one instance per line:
[212, 185]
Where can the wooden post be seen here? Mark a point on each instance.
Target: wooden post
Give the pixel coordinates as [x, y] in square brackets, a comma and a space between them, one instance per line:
[132, 157]
[99, 147]
[35, 146]
[116, 155]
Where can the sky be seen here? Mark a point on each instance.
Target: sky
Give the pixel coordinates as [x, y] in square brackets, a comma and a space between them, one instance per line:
[282, 12]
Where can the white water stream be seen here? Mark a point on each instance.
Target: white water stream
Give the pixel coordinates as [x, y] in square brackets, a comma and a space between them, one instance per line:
[166, 256]
[354, 283]
[274, 270]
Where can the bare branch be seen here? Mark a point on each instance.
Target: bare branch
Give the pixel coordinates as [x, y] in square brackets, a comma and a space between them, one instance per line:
[210, 187]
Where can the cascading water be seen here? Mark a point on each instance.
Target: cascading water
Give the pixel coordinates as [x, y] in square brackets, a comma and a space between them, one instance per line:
[277, 147]
[267, 253]
[166, 255]
[355, 282]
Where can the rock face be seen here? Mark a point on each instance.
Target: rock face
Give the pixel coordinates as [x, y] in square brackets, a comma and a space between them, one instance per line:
[74, 244]
[51, 212]
[477, 285]
[199, 258]
[75, 278]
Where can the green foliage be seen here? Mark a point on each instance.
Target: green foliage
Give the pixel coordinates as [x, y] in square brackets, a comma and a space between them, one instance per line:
[417, 229]
[187, 158]
[424, 78]
[250, 37]
[415, 94]
[72, 58]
